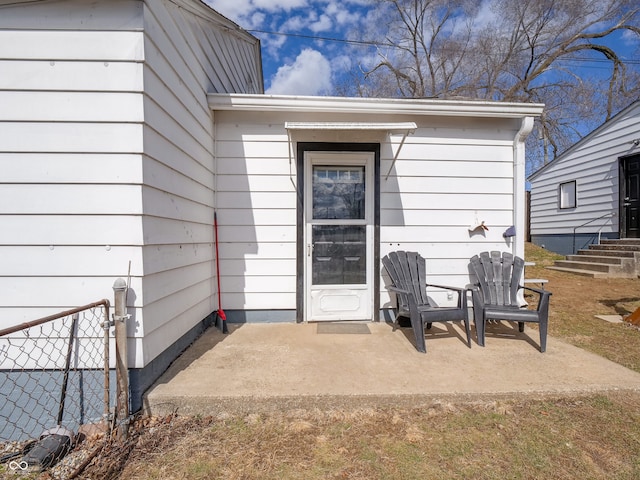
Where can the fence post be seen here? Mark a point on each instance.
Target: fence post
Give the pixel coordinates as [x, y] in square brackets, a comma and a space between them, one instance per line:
[106, 325]
[122, 369]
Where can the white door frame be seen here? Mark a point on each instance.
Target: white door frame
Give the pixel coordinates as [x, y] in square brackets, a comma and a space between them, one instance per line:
[339, 302]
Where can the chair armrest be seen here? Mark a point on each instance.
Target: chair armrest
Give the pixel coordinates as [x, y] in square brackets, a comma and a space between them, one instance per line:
[477, 302]
[476, 292]
[539, 291]
[462, 293]
[398, 290]
[543, 297]
[445, 287]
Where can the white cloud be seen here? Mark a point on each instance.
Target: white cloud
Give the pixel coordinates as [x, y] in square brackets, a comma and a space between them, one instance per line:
[272, 45]
[309, 74]
[278, 5]
[629, 38]
[323, 24]
[234, 9]
[342, 15]
[487, 15]
[241, 10]
[294, 24]
[341, 63]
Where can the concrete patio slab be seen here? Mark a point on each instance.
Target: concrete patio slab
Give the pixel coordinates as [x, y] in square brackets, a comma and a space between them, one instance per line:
[258, 367]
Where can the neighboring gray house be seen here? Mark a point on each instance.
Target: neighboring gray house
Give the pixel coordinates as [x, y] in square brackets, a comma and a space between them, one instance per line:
[592, 190]
[125, 123]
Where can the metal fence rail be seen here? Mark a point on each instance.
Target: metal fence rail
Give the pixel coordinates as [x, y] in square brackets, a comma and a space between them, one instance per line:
[55, 371]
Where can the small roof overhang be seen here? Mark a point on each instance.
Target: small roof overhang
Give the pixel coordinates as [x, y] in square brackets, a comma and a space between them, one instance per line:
[239, 102]
[382, 106]
[402, 127]
[375, 126]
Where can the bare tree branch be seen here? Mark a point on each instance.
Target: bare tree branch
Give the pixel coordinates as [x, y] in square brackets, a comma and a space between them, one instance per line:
[511, 51]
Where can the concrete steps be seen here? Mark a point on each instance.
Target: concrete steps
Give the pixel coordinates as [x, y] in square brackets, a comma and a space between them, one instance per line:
[609, 259]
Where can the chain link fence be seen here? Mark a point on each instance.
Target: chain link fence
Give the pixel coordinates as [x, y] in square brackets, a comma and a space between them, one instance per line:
[55, 371]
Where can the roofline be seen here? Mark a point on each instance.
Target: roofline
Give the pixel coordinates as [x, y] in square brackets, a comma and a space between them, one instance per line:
[433, 107]
[584, 139]
[203, 8]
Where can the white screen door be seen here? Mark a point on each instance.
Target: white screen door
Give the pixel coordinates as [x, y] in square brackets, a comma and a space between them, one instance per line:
[339, 236]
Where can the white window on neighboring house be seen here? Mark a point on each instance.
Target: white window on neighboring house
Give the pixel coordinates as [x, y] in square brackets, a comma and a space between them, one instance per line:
[567, 195]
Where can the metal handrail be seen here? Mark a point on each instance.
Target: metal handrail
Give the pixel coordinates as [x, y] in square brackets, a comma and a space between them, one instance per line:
[610, 214]
[55, 316]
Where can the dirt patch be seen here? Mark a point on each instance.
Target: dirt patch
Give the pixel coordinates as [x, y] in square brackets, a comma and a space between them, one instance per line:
[553, 437]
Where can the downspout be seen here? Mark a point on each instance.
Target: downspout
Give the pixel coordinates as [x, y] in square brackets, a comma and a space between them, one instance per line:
[519, 167]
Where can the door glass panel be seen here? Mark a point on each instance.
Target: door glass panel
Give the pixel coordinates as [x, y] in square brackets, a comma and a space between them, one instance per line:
[339, 254]
[338, 192]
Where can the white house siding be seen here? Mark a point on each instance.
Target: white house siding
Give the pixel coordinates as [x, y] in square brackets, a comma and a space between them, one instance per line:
[256, 201]
[71, 115]
[190, 51]
[106, 154]
[449, 174]
[593, 164]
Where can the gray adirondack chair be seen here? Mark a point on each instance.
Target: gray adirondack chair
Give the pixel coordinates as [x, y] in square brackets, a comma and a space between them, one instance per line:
[495, 295]
[407, 271]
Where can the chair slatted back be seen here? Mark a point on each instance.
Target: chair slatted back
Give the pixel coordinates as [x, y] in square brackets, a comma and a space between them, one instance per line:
[498, 275]
[408, 271]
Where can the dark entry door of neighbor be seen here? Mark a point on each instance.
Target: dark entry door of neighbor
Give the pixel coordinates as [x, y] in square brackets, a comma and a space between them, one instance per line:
[631, 201]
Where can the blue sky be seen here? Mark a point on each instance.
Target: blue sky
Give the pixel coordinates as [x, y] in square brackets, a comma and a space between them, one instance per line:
[303, 62]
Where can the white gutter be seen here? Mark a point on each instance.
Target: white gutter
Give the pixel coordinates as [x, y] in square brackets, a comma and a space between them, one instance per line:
[518, 184]
[386, 106]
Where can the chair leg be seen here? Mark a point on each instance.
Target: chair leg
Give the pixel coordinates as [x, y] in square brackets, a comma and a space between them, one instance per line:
[418, 332]
[467, 327]
[521, 327]
[480, 327]
[543, 335]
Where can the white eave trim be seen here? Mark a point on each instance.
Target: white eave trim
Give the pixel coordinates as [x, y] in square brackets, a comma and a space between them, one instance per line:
[432, 107]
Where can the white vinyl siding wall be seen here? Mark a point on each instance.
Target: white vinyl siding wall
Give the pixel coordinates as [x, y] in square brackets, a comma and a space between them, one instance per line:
[593, 164]
[449, 176]
[449, 173]
[70, 154]
[187, 55]
[256, 213]
[106, 154]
